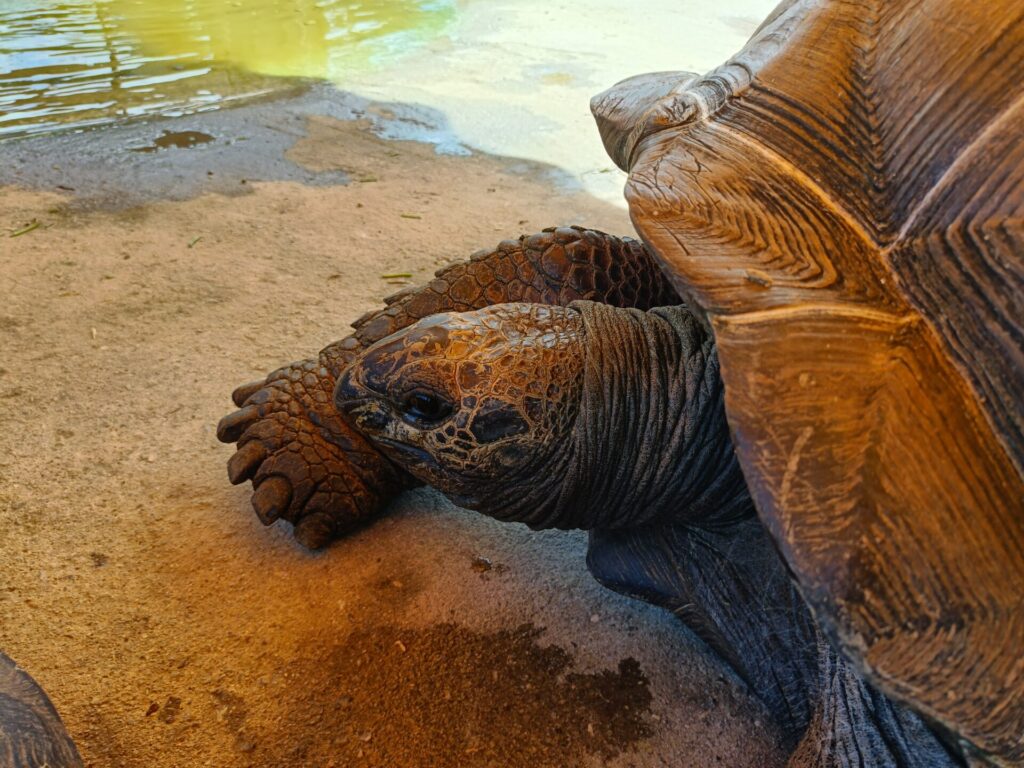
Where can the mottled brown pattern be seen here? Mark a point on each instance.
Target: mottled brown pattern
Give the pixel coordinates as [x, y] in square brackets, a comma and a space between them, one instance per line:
[309, 466]
[864, 285]
[503, 382]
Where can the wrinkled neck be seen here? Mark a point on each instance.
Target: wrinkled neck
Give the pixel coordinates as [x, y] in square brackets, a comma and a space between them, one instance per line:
[650, 442]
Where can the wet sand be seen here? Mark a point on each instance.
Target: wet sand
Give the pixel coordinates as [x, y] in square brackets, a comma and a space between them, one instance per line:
[168, 625]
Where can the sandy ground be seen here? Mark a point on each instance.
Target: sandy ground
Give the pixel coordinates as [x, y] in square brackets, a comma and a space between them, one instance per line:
[168, 625]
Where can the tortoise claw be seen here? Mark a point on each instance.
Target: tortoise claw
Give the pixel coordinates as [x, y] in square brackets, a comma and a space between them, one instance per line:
[246, 461]
[302, 457]
[272, 498]
[244, 392]
[231, 427]
[315, 530]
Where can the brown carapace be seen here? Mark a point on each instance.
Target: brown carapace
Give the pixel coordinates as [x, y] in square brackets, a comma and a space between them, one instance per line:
[31, 732]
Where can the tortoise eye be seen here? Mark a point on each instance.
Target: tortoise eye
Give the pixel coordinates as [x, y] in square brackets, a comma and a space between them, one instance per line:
[422, 407]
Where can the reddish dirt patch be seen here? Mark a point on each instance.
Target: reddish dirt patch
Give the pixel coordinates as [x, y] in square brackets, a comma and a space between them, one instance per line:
[450, 696]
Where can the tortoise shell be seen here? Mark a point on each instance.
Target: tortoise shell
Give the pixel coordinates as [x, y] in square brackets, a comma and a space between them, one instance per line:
[844, 201]
[31, 732]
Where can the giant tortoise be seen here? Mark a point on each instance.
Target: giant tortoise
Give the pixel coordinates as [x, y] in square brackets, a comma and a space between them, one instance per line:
[793, 414]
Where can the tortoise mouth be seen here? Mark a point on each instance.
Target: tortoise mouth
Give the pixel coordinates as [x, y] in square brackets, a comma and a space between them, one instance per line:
[404, 453]
[348, 406]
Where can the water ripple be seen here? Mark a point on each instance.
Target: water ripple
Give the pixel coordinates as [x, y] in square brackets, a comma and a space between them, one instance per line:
[81, 63]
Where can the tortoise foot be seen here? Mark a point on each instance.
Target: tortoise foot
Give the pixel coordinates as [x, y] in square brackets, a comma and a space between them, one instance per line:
[306, 463]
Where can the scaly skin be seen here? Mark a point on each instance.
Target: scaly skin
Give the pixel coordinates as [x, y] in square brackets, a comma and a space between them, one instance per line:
[31, 731]
[311, 467]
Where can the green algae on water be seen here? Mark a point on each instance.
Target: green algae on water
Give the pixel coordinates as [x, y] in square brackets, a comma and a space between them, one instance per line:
[85, 62]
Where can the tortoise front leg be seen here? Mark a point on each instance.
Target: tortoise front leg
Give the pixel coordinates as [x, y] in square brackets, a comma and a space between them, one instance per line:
[311, 467]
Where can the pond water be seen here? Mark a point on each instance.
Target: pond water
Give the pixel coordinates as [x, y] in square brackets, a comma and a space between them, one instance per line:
[512, 77]
[84, 62]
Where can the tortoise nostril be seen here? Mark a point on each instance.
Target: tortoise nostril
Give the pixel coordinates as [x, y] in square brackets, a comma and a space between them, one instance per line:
[372, 419]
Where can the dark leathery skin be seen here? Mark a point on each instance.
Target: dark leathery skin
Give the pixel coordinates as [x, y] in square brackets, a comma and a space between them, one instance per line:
[324, 476]
[729, 586]
[31, 732]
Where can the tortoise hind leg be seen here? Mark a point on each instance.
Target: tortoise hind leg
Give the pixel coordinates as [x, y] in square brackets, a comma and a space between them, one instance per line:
[311, 467]
[31, 732]
[730, 588]
[726, 588]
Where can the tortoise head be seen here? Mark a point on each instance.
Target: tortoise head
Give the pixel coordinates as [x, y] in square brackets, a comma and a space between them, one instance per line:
[471, 403]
